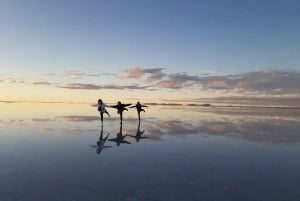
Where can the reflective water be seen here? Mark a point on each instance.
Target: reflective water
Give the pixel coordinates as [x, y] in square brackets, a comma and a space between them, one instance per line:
[60, 152]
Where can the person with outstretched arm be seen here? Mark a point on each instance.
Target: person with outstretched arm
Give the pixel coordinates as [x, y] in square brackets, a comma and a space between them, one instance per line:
[139, 108]
[102, 109]
[121, 107]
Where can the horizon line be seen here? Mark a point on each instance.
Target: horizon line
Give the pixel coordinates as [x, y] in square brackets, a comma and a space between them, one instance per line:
[207, 105]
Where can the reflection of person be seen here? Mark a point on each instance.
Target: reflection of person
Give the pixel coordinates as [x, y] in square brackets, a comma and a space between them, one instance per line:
[100, 143]
[139, 108]
[120, 138]
[102, 109]
[121, 107]
[138, 134]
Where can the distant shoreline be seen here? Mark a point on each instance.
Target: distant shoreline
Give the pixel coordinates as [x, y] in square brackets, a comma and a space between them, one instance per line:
[207, 105]
[227, 106]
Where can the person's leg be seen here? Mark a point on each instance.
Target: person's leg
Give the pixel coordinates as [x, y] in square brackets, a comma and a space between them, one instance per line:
[139, 115]
[107, 113]
[101, 115]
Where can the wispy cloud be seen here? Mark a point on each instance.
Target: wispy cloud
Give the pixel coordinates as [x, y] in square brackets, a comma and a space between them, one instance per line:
[263, 82]
[151, 74]
[73, 74]
[41, 83]
[97, 87]
[268, 82]
[69, 72]
[159, 78]
[48, 74]
[179, 80]
[80, 86]
[78, 73]
[13, 80]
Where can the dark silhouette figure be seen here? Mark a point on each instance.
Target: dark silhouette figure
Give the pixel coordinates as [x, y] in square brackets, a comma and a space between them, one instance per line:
[121, 107]
[100, 143]
[139, 108]
[102, 109]
[120, 138]
[138, 134]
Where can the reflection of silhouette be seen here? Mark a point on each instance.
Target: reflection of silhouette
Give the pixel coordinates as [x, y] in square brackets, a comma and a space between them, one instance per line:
[121, 107]
[100, 143]
[120, 138]
[139, 108]
[138, 134]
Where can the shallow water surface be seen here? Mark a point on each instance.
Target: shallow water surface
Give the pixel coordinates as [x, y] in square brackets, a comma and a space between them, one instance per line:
[58, 152]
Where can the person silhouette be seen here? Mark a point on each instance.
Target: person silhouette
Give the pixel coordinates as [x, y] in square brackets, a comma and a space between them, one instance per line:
[102, 109]
[139, 108]
[101, 141]
[121, 107]
[138, 134]
[119, 139]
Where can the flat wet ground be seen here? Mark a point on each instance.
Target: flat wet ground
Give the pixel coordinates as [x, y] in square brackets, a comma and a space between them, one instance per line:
[57, 152]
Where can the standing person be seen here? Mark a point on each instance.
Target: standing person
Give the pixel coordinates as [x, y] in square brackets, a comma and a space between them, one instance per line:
[139, 108]
[121, 107]
[102, 109]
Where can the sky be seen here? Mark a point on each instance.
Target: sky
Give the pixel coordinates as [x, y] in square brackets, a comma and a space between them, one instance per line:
[148, 50]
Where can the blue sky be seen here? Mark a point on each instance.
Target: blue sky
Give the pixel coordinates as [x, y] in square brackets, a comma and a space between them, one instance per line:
[194, 38]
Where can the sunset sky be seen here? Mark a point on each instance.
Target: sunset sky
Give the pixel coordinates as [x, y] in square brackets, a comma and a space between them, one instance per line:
[148, 50]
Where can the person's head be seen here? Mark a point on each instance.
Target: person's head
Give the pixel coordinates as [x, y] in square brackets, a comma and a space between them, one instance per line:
[100, 101]
[138, 103]
[119, 102]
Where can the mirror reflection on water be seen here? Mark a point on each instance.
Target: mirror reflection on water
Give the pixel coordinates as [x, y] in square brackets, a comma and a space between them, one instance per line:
[63, 152]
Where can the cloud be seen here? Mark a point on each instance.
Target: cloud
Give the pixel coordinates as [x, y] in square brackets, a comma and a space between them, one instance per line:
[132, 73]
[80, 86]
[179, 80]
[13, 80]
[69, 72]
[97, 87]
[151, 74]
[261, 82]
[78, 73]
[268, 82]
[41, 83]
[156, 75]
[48, 74]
